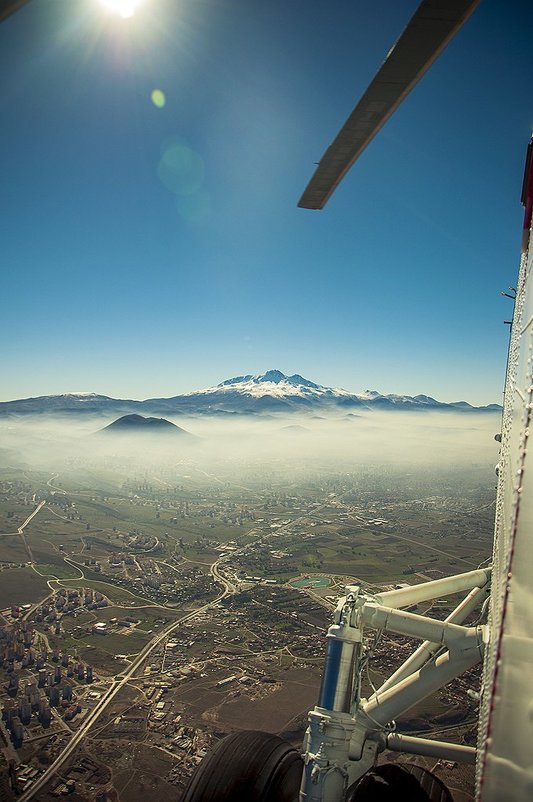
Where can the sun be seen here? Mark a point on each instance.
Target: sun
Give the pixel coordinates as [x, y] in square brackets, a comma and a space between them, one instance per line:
[124, 8]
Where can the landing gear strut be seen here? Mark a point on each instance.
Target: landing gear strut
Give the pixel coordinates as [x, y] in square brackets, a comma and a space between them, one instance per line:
[347, 732]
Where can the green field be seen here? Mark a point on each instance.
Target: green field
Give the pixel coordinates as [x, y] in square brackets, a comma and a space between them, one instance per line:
[114, 643]
[21, 586]
[64, 571]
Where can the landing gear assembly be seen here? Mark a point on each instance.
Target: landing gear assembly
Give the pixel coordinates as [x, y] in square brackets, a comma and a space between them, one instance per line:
[347, 732]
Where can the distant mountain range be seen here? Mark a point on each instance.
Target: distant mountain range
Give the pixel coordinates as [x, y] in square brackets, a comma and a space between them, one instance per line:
[270, 392]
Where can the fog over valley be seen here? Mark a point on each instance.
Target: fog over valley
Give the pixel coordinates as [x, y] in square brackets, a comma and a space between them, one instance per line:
[374, 437]
[180, 571]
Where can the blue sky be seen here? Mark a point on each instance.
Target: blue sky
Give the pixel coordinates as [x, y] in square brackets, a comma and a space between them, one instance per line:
[149, 251]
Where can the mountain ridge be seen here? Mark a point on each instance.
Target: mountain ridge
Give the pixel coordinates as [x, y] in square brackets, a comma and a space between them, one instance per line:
[249, 394]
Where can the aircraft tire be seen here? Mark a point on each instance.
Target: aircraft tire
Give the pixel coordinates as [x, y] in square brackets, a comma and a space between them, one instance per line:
[250, 765]
[392, 782]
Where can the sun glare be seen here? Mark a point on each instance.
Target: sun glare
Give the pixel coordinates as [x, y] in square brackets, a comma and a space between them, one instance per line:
[124, 8]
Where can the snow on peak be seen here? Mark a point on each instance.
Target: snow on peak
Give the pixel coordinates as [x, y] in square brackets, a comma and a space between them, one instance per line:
[425, 399]
[273, 383]
[271, 376]
[278, 386]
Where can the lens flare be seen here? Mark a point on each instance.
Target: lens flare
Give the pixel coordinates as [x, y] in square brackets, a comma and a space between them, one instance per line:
[124, 8]
[194, 208]
[158, 98]
[181, 169]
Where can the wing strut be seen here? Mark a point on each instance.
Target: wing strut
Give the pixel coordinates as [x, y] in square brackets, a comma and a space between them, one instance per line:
[8, 7]
[430, 29]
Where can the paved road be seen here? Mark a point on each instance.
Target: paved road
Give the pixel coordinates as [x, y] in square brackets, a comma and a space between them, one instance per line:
[117, 685]
[120, 681]
[22, 527]
[218, 577]
[55, 487]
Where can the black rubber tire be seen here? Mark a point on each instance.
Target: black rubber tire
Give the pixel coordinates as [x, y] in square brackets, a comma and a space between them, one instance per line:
[393, 782]
[250, 766]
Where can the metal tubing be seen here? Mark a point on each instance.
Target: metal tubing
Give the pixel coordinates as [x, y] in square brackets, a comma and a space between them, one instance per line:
[424, 746]
[405, 597]
[337, 679]
[428, 649]
[419, 626]
[413, 689]
[344, 644]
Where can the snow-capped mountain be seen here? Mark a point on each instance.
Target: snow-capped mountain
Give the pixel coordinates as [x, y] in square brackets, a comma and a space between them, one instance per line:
[268, 392]
[275, 384]
[267, 380]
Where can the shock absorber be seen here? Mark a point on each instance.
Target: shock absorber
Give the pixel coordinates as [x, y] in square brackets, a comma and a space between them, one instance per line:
[327, 767]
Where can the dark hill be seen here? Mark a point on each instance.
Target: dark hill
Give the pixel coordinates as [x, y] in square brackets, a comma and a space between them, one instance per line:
[138, 423]
[294, 429]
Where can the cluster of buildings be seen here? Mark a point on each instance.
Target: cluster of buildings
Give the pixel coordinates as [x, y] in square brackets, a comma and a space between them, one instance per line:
[18, 713]
[23, 496]
[35, 683]
[85, 775]
[192, 745]
[149, 578]
[65, 602]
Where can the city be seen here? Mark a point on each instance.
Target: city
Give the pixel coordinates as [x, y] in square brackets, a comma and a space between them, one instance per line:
[148, 612]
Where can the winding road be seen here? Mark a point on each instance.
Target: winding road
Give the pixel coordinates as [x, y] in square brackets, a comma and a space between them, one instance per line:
[20, 530]
[120, 681]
